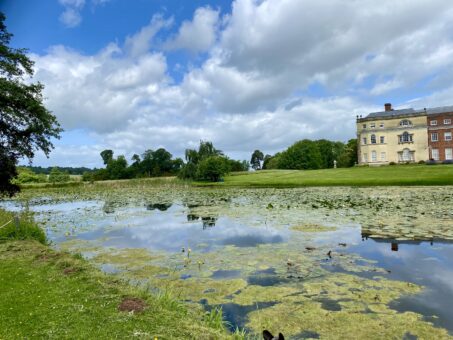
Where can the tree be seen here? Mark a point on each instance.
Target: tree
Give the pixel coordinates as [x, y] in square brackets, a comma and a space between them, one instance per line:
[107, 156]
[348, 156]
[212, 168]
[301, 155]
[58, 176]
[257, 158]
[25, 124]
[117, 168]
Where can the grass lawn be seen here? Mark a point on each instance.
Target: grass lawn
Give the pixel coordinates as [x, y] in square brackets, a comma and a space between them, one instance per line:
[357, 176]
[53, 295]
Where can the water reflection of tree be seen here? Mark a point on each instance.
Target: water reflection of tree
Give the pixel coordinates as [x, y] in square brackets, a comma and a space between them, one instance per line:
[158, 206]
[108, 207]
[207, 221]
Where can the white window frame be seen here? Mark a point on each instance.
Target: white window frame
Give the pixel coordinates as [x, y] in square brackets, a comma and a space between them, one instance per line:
[405, 123]
[383, 156]
[372, 125]
[434, 137]
[365, 157]
[382, 139]
[447, 121]
[433, 122]
[435, 154]
[374, 156]
[449, 154]
[447, 136]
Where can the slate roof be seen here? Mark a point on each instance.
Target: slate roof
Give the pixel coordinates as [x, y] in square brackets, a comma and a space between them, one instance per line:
[442, 109]
[430, 111]
[391, 113]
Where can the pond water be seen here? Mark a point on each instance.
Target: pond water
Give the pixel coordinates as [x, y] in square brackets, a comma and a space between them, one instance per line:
[321, 262]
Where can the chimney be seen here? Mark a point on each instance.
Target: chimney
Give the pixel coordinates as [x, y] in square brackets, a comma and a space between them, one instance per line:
[388, 107]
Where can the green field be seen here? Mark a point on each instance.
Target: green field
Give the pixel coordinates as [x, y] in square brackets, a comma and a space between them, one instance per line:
[357, 176]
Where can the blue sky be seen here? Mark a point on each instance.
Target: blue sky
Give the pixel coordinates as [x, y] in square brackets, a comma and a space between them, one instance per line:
[245, 74]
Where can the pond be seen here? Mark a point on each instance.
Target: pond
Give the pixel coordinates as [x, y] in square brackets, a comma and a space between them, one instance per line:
[307, 262]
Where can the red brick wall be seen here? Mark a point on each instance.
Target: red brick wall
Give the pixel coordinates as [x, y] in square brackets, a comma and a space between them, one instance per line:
[440, 128]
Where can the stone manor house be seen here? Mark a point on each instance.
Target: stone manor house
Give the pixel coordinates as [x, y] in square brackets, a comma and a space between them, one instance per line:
[405, 135]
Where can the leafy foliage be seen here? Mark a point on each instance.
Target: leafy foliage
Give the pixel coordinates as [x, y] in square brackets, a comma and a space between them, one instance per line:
[26, 175]
[212, 169]
[58, 176]
[302, 155]
[319, 154]
[25, 124]
[257, 158]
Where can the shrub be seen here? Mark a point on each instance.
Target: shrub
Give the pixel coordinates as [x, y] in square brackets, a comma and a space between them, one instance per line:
[58, 176]
[392, 163]
[421, 162]
[212, 169]
[27, 176]
[26, 230]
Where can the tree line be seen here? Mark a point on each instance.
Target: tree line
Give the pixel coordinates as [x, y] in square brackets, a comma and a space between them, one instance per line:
[307, 154]
[205, 163]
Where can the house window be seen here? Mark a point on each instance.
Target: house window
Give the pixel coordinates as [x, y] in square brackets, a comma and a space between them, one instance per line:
[405, 137]
[435, 154]
[447, 121]
[365, 157]
[405, 122]
[372, 125]
[382, 139]
[383, 155]
[406, 155]
[447, 136]
[448, 154]
[433, 122]
[364, 126]
[373, 156]
[364, 140]
[373, 139]
[381, 125]
[434, 137]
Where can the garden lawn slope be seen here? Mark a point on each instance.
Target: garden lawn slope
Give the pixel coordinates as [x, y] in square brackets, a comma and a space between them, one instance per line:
[53, 295]
[357, 176]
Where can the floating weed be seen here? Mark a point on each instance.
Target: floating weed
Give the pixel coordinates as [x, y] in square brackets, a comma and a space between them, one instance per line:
[312, 228]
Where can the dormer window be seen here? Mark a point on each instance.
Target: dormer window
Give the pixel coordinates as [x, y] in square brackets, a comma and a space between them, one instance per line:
[406, 137]
[405, 123]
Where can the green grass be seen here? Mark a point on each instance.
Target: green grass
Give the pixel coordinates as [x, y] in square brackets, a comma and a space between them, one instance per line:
[53, 295]
[357, 176]
[25, 229]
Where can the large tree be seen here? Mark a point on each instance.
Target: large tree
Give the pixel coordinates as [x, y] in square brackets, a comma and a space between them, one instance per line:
[257, 158]
[25, 124]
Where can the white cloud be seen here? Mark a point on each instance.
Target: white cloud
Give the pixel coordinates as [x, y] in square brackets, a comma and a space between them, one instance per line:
[70, 17]
[251, 91]
[197, 35]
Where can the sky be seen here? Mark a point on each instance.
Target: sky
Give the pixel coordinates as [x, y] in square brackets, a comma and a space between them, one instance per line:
[133, 75]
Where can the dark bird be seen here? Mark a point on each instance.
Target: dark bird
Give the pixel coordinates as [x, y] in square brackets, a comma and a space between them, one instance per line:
[268, 336]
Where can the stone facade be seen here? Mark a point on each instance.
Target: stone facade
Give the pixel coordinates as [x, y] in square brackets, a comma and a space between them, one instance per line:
[440, 131]
[397, 136]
